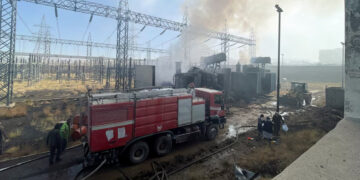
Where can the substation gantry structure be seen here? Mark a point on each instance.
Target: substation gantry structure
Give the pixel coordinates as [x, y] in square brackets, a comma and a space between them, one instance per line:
[85, 43]
[122, 14]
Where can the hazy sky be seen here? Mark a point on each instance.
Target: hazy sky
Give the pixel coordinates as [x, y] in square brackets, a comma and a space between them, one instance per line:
[308, 25]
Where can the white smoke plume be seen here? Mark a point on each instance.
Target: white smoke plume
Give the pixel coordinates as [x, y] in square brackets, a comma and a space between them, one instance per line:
[245, 16]
[241, 18]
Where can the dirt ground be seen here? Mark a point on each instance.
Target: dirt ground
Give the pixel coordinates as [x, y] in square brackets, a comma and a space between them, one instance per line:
[26, 125]
[260, 156]
[29, 121]
[306, 128]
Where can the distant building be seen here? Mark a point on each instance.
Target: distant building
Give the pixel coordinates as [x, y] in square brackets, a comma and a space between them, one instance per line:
[330, 56]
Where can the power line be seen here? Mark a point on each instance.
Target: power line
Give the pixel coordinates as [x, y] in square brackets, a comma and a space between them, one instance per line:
[141, 30]
[58, 28]
[87, 27]
[162, 32]
[86, 30]
[57, 22]
[154, 38]
[108, 38]
[165, 42]
[22, 20]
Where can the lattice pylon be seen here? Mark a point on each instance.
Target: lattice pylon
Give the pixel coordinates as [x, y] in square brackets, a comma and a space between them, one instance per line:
[122, 45]
[7, 49]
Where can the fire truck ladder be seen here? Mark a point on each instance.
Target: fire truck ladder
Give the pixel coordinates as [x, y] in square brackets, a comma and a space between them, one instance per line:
[107, 98]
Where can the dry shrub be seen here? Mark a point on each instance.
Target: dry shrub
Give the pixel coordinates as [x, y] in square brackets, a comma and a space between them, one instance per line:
[43, 124]
[70, 110]
[47, 111]
[49, 123]
[23, 150]
[272, 159]
[59, 115]
[18, 110]
[15, 133]
[12, 150]
[48, 88]
[29, 102]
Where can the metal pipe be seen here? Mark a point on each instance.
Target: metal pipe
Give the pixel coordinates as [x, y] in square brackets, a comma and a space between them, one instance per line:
[342, 64]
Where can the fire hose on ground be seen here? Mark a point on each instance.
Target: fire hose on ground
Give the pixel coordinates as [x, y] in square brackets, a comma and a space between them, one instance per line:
[94, 171]
[208, 155]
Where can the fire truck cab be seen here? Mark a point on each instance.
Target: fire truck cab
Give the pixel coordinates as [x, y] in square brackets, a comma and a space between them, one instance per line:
[133, 124]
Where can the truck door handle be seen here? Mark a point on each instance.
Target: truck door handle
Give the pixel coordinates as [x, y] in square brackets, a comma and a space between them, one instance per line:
[112, 142]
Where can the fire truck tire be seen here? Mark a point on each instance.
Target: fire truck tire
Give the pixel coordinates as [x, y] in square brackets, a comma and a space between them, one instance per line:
[163, 145]
[138, 152]
[211, 131]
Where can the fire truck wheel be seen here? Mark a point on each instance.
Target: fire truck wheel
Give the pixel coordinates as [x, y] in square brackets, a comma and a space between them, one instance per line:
[138, 152]
[211, 132]
[163, 145]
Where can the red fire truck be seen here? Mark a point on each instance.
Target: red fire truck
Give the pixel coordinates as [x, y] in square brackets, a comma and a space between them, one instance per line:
[133, 124]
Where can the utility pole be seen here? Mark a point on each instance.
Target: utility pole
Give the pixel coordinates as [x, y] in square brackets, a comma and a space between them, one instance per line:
[282, 64]
[342, 64]
[279, 10]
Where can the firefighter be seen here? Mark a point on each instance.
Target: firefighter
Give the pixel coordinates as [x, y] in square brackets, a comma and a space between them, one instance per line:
[64, 134]
[267, 129]
[54, 142]
[3, 137]
[277, 120]
[191, 87]
[261, 120]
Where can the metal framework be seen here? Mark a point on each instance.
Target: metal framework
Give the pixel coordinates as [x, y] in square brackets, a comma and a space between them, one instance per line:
[122, 45]
[87, 43]
[7, 49]
[98, 9]
[123, 16]
[93, 8]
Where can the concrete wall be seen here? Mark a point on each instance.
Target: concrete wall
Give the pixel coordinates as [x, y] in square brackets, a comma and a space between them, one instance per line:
[335, 97]
[309, 73]
[352, 59]
[144, 76]
[330, 56]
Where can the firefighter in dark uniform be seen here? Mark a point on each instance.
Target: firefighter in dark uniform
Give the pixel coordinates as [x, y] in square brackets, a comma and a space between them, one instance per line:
[54, 142]
[277, 120]
[261, 121]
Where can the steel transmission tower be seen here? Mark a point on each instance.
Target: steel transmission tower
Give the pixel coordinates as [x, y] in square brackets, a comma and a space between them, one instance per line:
[132, 40]
[252, 47]
[7, 49]
[122, 45]
[185, 37]
[89, 46]
[43, 41]
[148, 52]
[224, 44]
